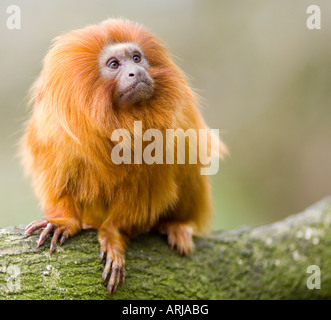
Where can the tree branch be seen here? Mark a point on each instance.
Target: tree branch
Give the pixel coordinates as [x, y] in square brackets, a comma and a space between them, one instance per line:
[268, 262]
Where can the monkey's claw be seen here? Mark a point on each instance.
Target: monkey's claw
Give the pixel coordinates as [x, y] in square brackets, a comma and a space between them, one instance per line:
[35, 225]
[179, 236]
[56, 229]
[114, 267]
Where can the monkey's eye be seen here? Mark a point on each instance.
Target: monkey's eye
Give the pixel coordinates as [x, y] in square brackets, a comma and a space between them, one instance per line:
[113, 64]
[136, 58]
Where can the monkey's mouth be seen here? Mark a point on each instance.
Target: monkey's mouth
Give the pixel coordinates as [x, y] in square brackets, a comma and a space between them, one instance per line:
[136, 92]
[140, 85]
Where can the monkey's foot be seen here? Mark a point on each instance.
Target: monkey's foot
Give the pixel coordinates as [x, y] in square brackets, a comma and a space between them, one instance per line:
[115, 262]
[179, 236]
[56, 229]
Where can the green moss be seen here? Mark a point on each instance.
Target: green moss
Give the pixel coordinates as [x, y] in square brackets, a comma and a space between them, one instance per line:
[268, 262]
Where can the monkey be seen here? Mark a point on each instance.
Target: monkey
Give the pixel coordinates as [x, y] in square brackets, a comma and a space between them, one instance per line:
[93, 81]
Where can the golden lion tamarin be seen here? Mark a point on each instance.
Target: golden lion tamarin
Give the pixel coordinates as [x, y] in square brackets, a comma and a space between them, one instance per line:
[96, 80]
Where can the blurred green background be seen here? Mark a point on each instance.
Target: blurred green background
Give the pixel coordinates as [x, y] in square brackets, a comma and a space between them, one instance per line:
[264, 77]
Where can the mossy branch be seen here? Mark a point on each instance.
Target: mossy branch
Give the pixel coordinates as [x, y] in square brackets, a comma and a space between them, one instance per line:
[268, 262]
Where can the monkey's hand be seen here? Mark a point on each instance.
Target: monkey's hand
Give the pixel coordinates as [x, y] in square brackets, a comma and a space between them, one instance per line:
[62, 230]
[112, 247]
[179, 236]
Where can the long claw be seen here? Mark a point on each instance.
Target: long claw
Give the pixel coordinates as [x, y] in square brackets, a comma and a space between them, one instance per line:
[62, 239]
[56, 234]
[106, 270]
[60, 232]
[30, 225]
[122, 276]
[180, 237]
[35, 225]
[52, 248]
[116, 276]
[101, 255]
[112, 247]
[172, 241]
[44, 234]
[109, 289]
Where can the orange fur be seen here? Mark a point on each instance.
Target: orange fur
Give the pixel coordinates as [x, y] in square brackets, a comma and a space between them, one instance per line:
[67, 146]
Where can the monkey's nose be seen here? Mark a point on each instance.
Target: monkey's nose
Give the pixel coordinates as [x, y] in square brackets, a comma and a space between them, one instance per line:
[131, 75]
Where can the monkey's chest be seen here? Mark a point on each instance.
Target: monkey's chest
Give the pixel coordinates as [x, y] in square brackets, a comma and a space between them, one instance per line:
[135, 202]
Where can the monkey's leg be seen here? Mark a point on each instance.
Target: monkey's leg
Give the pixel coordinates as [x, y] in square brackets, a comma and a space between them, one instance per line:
[112, 248]
[192, 212]
[179, 235]
[61, 221]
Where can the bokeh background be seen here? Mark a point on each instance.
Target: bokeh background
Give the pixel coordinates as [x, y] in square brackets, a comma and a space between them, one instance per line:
[264, 77]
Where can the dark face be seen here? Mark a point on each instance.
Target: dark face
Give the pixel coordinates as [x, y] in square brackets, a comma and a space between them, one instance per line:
[125, 64]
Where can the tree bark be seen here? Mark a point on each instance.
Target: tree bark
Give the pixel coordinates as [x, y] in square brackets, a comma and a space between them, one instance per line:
[267, 262]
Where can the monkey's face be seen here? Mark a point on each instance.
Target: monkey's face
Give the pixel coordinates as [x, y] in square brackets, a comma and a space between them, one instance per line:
[125, 65]
[103, 76]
